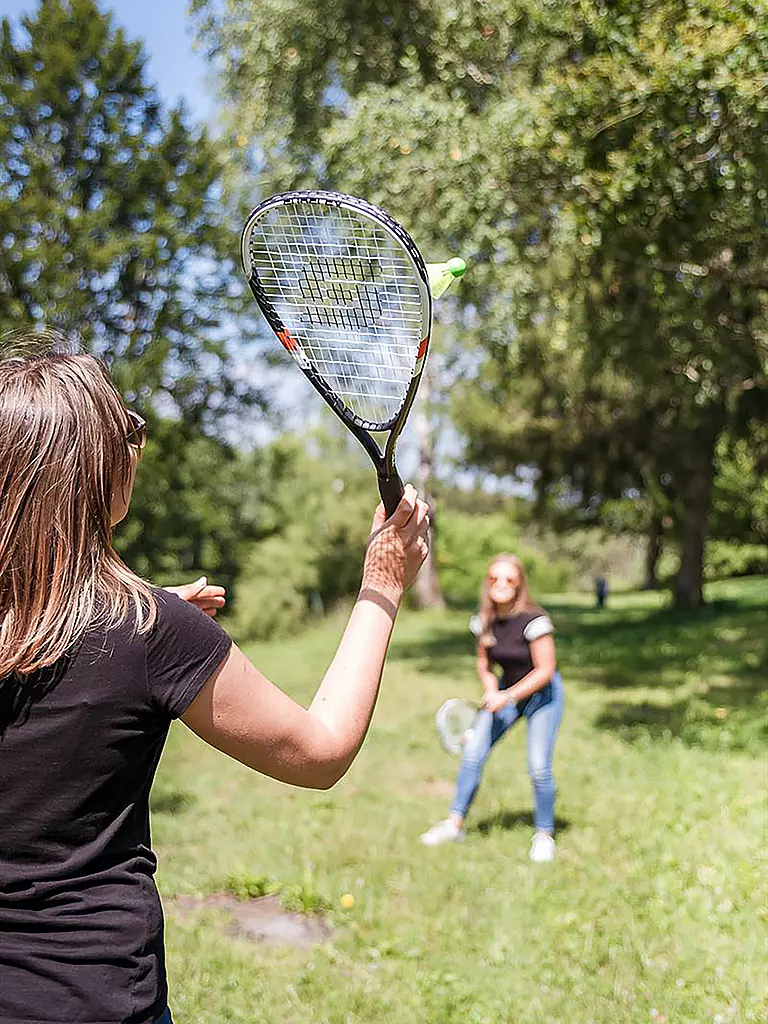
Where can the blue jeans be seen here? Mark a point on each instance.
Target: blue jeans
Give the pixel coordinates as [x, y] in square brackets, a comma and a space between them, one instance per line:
[543, 710]
[165, 1018]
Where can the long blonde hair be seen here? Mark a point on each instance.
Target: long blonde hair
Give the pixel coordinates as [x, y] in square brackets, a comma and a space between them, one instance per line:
[487, 612]
[64, 453]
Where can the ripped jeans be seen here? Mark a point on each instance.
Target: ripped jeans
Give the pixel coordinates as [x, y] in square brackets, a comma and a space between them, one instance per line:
[543, 711]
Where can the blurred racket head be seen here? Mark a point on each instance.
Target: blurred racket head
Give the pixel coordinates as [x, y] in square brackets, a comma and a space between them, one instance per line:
[346, 291]
[453, 720]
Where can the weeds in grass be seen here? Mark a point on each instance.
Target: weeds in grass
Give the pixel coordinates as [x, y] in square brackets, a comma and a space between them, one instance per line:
[300, 898]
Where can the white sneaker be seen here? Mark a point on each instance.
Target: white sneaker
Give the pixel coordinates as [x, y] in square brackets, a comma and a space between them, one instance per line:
[444, 832]
[542, 848]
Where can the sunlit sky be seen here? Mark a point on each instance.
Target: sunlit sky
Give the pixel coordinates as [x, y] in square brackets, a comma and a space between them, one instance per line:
[163, 25]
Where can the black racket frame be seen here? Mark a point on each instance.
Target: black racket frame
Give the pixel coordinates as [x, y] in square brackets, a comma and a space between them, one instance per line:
[390, 484]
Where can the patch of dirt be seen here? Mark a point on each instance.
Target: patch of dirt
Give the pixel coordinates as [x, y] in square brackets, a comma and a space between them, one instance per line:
[260, 920]
[434, 787]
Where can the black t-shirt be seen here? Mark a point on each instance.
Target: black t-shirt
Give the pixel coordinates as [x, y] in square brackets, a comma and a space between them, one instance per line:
[512, 651]
[81, 928]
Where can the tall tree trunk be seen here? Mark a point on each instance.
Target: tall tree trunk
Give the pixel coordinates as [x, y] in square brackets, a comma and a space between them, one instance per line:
[426, 587]
[653, 551]
[696, 495]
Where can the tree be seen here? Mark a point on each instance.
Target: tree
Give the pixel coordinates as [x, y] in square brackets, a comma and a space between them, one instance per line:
[678, 281]
[112, 228]
[604, 162]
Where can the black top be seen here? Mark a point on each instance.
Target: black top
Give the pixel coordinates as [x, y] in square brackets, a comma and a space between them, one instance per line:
[512, 651]
[81, 928]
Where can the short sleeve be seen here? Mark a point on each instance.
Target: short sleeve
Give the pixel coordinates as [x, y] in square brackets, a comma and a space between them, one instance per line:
[538, 627]
[476, 626]
[184, 648]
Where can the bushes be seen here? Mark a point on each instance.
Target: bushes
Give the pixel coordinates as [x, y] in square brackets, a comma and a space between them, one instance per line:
[314, 515]
[722, 560]
[467, 543]
[316, 518]
[279, 577]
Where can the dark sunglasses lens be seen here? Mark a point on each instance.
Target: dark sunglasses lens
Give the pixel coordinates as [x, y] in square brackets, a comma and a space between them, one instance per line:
[137, 433]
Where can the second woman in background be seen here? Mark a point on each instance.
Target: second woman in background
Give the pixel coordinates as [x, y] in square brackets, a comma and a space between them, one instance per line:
[515, 635]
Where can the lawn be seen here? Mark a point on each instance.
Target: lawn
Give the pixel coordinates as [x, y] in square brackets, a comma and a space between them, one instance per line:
[655, 909]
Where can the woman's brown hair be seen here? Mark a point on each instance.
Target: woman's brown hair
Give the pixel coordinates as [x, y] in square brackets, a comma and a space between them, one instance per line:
[522, 602]
[64, 454]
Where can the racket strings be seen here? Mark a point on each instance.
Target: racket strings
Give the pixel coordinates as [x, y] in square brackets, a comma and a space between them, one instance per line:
[346, 292]
[453, 720]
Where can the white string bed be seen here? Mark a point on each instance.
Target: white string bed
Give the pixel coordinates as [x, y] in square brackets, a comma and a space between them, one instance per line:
[347, 294]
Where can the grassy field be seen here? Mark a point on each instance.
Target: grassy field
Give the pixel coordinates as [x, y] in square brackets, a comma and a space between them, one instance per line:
[655, 909]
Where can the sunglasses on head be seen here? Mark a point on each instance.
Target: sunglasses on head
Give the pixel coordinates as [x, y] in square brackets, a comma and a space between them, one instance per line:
[137, 429]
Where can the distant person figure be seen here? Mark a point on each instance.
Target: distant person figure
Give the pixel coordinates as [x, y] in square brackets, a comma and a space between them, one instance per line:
[514, 634]
[601, 590]
[95, 664]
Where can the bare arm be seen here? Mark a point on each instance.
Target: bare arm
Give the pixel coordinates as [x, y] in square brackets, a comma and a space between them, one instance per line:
[241, 713]
[544, 667]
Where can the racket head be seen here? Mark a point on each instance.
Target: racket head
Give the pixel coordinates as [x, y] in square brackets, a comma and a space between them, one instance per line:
[346, 291]
[453, 719]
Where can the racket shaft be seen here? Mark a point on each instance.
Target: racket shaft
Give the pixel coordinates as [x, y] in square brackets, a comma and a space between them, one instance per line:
[391, 490]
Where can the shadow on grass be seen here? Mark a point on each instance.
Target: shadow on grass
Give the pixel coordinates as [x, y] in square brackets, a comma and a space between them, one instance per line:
[623, 646]
[170, 801]
[711, 665]
[724, 718]
[508, 821]
[655, 647]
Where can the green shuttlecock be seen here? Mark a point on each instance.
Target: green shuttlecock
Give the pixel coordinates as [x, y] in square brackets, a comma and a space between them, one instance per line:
[442, 275]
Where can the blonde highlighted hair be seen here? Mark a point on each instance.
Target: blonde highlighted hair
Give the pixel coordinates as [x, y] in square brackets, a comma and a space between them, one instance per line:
[64, 454]
[487, 611]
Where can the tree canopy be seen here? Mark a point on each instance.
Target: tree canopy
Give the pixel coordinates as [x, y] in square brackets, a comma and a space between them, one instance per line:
[604, 166]
[112, 230]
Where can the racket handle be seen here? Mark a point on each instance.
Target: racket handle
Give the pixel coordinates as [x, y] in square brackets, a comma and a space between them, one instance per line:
[391, 490]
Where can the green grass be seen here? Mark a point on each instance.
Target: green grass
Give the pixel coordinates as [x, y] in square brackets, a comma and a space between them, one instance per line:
[655, 909]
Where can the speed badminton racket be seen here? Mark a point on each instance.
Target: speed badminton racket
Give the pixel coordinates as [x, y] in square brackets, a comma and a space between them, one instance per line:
[349, 296]
[454, 720]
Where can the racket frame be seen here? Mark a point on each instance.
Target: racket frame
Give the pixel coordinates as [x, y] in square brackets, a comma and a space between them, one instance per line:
[390, 485]
[440, 715]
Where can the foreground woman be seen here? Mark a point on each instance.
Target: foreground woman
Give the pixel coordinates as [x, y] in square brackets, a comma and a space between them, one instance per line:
[94, 666]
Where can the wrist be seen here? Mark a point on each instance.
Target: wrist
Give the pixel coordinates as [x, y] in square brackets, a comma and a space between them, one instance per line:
[388, 596]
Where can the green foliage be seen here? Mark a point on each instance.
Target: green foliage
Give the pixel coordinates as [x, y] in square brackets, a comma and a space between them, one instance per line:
[112, 229]
[467, 544]
[304, 899]
[251, 887]
[603, 167]
[592, 552]
[278, 579]
[740, 492]
[725, 559]
[194, 510]
[314, 519]
[110, 210]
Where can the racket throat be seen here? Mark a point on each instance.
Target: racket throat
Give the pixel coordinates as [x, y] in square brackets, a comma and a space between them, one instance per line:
[391, 491]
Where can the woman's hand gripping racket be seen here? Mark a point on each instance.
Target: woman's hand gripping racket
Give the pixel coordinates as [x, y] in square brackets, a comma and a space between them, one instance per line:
[348, 294]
